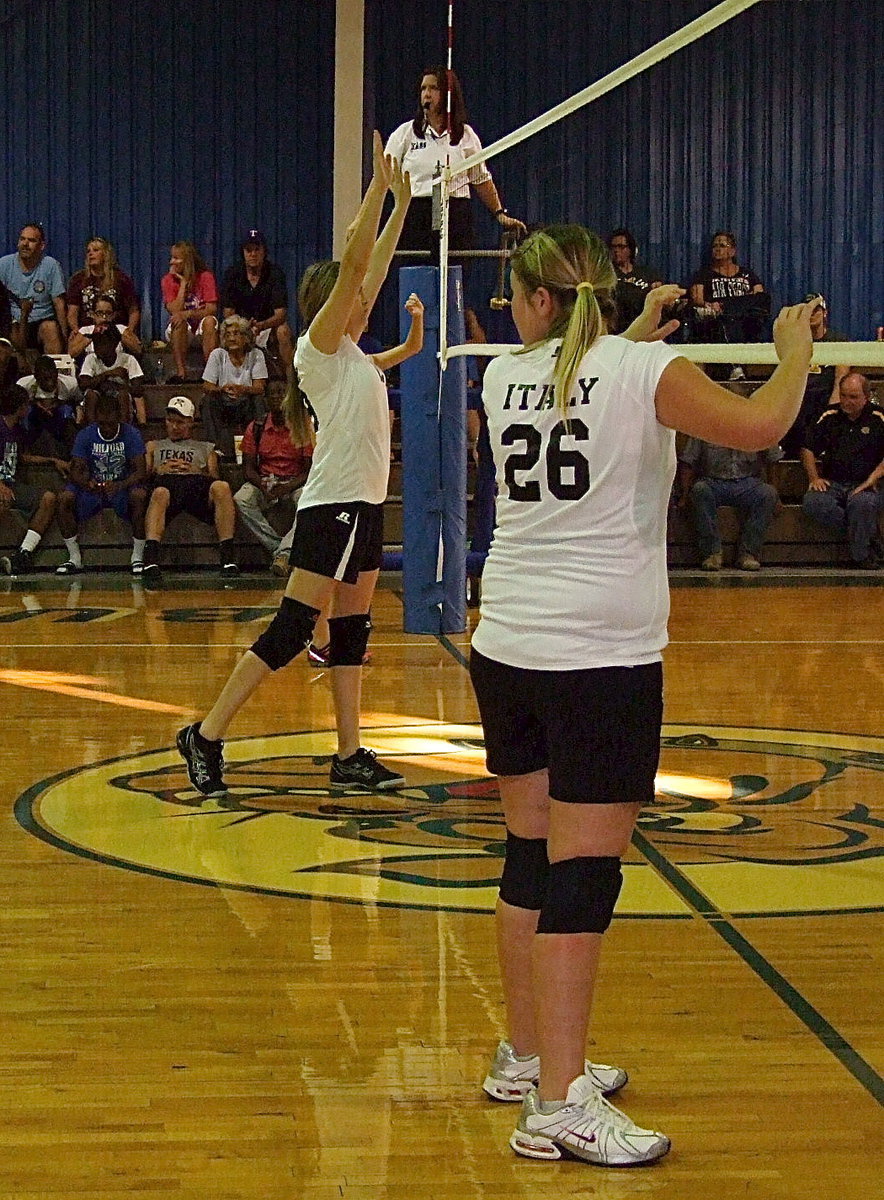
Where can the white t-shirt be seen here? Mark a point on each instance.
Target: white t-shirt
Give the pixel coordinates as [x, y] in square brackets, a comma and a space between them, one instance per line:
[220, 369]
[351, 459]
[576, 575]
[88, 330]
[92, 364]
[421, 156]
[68, 391]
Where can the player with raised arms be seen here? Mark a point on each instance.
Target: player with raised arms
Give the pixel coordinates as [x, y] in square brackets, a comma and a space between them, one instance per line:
[338, 541]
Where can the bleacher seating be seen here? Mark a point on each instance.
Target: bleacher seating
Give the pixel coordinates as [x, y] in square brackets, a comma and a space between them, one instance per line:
[792, 541]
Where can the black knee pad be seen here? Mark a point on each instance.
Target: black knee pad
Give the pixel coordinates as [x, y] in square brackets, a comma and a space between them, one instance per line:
[525, 872]
[580, 895]
[290, 632]
[347, 639]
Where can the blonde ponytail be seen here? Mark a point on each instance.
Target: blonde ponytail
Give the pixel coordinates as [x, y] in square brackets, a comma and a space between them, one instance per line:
[298, 414]
[573, 265]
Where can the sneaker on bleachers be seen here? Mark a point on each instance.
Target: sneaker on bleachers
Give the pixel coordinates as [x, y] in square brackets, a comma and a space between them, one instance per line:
[21, 562]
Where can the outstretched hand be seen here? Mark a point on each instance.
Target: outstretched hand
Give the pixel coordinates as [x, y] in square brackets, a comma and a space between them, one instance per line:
[414, 305]
[661, 297]
[791, 330]
[400, 185]
[646, 327]
[382, 163]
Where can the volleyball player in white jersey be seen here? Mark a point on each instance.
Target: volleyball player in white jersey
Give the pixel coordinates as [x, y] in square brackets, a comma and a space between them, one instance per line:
[566, 658]
[338, 540]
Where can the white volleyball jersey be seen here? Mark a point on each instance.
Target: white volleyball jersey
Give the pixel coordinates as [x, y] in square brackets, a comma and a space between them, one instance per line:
[421, 156]
[576, 575]
[351, 459]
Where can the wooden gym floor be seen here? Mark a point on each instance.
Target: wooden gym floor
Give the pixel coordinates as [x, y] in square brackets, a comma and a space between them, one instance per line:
[294, 994]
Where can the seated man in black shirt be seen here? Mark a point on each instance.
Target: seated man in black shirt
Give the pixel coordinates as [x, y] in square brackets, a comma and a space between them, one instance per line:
[821, 391]
[843, 455]
[255, 288]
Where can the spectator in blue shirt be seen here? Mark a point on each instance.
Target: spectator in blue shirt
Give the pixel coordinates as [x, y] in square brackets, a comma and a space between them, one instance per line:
[36, 291]
[107, 471]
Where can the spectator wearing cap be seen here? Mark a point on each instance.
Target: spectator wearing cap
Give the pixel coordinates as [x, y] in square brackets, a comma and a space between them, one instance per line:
[110, 371]
[843, 456]
[107, 471]
[256, 288]
[190, 295]
[234, 379]
[634, 281]
[184, 477]
[36, 290]
[823, 383]
[101, 278]
[34, 506]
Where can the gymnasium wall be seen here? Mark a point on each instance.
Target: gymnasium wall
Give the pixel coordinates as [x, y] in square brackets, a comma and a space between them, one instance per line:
[149, 122]
[152, 122]
[772, 126]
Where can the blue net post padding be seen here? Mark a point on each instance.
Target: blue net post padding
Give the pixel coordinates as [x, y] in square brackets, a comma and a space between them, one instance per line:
[434, 457]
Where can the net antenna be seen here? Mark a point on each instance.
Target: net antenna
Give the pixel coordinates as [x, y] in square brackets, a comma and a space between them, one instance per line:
[704, 24]
[441, 192]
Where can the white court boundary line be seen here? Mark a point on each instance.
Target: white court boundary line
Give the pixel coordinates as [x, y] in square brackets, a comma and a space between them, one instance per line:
[695, 29]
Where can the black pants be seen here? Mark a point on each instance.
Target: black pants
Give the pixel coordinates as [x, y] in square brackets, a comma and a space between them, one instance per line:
[418, 232]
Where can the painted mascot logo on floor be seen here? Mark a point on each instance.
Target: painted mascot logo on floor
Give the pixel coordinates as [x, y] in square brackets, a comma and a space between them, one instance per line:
[760, 821]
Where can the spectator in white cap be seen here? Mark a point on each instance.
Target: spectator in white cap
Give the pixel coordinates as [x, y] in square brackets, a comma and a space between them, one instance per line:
[184, 477]
[256, 288]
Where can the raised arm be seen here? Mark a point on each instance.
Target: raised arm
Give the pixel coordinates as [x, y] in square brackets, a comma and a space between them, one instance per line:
[333, 319]
[688, 400]
[412, 345]
[382, 252]
[646, 326]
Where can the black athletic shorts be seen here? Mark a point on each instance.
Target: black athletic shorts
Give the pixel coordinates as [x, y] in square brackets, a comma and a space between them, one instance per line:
[339, 540]
[597, 731]
[26, 498]
[188, 493]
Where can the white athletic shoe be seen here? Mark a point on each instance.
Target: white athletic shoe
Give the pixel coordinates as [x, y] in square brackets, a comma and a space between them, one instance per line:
[586, 1127]
[512, 1078]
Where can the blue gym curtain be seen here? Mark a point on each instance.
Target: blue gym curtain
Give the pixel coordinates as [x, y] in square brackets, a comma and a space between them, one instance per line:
[771, 126]
[149, 122]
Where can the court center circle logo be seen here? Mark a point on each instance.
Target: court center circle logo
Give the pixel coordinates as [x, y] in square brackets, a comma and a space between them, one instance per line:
[762, 822]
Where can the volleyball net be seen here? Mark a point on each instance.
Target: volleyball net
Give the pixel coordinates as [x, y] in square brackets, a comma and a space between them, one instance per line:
[857, 354]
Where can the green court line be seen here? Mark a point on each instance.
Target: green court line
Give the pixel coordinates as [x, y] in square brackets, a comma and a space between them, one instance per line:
[814, 1021]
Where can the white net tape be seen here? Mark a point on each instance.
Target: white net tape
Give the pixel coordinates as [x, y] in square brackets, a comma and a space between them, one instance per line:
[825, 354]
[704, 24]
[854, 354]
